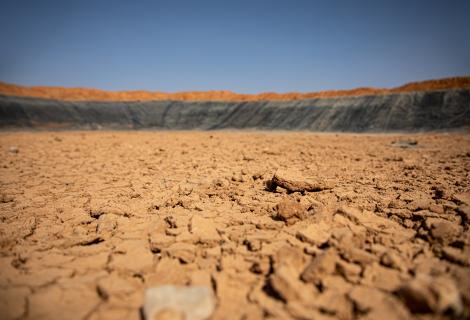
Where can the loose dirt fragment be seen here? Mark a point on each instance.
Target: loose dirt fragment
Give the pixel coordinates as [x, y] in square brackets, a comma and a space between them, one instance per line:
[294, 182]
[14, 149]
[404, 143]
[290, 211]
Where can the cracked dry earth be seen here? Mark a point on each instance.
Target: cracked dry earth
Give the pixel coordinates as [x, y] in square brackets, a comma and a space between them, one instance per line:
[349, 227]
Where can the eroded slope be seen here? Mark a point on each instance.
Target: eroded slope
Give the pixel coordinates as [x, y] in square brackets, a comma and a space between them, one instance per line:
[414, 111]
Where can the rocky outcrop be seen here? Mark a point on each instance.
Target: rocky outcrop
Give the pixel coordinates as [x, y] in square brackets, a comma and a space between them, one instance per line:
[411, 111]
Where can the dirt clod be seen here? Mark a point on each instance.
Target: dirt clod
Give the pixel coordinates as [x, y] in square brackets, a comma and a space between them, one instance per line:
[294, 182]
[290, 211]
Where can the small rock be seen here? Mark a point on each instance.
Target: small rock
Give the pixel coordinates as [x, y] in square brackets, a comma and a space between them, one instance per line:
[190, 303]
[290, 211]
[404, 143]
[439, 192]
[14, 149]
[293, 182]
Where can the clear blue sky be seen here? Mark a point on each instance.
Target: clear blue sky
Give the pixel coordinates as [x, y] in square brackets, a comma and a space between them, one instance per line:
[244, 46]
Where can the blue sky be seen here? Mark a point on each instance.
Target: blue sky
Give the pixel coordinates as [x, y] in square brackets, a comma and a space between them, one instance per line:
[243, 46]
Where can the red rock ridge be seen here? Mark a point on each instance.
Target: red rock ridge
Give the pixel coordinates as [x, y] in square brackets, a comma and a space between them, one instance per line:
[86, 94]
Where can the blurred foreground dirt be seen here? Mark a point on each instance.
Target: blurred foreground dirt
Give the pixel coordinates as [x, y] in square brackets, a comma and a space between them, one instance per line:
[351, 226]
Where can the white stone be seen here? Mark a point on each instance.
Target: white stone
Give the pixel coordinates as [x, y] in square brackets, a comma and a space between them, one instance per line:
[195, 303]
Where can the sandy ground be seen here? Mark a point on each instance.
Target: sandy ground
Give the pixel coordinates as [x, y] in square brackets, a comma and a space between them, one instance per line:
[376, 227]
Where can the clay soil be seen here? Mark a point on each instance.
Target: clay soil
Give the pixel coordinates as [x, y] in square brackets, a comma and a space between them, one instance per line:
[89, 220]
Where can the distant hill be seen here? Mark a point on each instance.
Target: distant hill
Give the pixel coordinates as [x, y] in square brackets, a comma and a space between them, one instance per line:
[86, 94]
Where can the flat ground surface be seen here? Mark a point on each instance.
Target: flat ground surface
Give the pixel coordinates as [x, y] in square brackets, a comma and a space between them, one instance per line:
[89, 220]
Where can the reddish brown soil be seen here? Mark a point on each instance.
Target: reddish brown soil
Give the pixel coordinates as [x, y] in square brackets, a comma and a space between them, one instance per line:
[376, 228]
[85, 94]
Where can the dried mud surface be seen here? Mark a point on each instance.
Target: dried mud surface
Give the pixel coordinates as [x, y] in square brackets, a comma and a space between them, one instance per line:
[351, 226]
